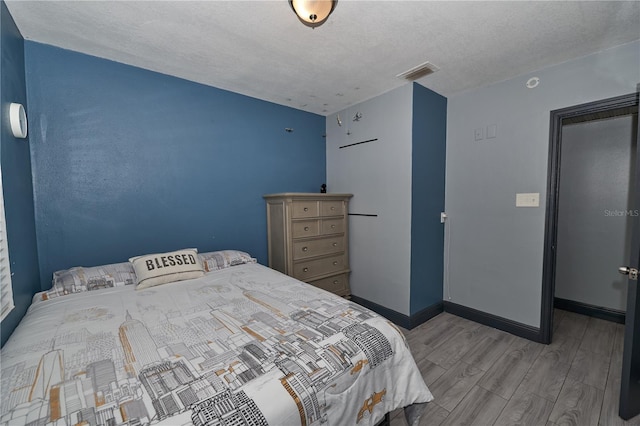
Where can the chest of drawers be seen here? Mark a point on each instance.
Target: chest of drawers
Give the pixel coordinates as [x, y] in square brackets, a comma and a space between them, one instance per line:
[308, 238]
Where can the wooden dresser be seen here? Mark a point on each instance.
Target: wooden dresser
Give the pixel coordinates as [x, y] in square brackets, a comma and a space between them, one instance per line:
[308, 238]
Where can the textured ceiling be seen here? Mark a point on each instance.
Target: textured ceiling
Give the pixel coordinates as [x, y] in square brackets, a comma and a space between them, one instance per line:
[260, 49]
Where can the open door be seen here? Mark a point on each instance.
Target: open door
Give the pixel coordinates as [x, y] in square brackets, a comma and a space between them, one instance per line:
[630, 383]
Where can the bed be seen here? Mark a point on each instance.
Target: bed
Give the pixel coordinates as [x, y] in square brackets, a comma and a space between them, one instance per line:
[241, 344]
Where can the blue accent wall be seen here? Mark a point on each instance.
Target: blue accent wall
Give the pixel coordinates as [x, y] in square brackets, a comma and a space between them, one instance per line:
[429, 133]
[16, 177]
[127, 161]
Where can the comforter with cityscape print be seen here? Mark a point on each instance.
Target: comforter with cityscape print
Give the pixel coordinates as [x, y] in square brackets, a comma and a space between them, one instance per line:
[244, 345]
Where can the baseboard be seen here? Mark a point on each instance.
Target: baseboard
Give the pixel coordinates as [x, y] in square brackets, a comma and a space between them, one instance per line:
[513, 327]
[396, 317]
[425, 314]
[518, 329]
[393, 316]
[600, 312]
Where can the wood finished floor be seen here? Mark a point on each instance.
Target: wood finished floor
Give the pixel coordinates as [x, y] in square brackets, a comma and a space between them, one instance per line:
[482, 376]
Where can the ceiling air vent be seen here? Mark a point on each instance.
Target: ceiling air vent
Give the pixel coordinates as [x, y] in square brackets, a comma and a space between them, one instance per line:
[419, 71]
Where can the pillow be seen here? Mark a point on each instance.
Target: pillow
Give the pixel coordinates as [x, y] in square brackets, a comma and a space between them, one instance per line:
[215, 260]
[79, 279]
[162, 268]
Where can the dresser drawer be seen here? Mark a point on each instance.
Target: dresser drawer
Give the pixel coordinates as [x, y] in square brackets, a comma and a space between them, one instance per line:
[305, 228]
[304, 209]
[331, 208]
[332, 226]
[313, 268]
[312, 248]
[338, 284]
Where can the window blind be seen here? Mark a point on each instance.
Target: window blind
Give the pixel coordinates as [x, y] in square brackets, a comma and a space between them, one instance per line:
[6, 293]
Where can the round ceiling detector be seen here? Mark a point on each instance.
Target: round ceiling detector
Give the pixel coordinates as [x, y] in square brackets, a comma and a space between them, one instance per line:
[533, 82]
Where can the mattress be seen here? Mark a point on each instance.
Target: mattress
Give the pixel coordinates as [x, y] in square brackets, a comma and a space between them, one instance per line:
[245, 345]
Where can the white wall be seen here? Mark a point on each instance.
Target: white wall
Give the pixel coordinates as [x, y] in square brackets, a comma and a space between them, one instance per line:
[379, 175]
[494, 257]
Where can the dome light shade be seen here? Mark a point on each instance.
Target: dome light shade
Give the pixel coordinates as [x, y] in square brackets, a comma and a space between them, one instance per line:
[313, 13]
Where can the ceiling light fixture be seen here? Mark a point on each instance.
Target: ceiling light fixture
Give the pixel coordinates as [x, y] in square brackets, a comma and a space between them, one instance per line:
[313, 13]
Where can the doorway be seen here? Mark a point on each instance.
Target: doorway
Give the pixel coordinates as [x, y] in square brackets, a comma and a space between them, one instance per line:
[595, 212]
[596, 201]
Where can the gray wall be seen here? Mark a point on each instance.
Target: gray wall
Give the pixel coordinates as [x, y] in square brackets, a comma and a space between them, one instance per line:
[595, 211]
[493, 250]
[396, 257]
[379, 175]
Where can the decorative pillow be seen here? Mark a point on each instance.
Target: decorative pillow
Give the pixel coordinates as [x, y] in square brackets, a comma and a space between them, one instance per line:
[79, 279]
[163, 268]
[215, 260]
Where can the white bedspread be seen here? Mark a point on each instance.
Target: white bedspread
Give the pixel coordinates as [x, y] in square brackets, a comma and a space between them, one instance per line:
[244, 345]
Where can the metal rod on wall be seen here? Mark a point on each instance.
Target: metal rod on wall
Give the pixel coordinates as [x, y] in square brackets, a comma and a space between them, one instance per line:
[357, 143]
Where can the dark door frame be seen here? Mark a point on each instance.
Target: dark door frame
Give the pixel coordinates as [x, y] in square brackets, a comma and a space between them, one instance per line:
[553, 181]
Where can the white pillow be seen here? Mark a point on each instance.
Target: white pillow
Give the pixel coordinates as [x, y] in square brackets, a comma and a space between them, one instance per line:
[216, 260]
[163, 268]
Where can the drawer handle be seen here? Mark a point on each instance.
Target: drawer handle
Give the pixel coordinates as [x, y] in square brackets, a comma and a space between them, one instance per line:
[335, 262]
[335, 244]
[333, 208]
[305, 269]
[306, 228]
[336, 281]
[306, 209]
[333, 227]
[305, 248]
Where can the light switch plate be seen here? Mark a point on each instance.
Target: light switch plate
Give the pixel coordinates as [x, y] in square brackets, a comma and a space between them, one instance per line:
[478, 133]
[492, 131]
[530, 199]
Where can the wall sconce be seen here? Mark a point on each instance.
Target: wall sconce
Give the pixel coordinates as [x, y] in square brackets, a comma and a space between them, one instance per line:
[313, 13]
[18, 120]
